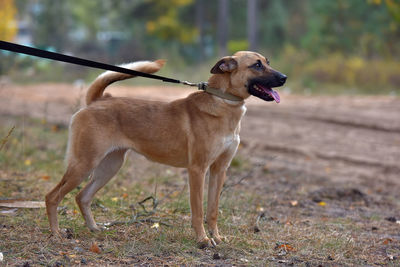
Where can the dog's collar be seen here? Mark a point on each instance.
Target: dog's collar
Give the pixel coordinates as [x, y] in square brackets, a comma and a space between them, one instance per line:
[204, 86]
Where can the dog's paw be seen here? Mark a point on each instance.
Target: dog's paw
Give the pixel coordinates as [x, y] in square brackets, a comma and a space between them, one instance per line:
[59, 234]
[219, 239]
[97, 228]
[216, 237]
[206, 243]
[55, 235]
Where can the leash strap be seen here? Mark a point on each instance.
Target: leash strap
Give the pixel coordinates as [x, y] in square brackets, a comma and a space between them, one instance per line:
[12, 47]
[77, 61]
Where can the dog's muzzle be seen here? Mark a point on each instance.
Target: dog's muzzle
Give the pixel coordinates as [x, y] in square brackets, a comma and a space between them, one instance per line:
[261, 86]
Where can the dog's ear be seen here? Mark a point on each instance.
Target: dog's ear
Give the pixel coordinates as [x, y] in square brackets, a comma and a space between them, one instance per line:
[225, 64]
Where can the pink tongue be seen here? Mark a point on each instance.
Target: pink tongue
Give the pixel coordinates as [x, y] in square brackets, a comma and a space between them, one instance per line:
[275, 95]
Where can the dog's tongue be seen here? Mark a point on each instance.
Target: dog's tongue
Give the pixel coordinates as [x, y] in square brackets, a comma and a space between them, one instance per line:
[272, 93]
[275, 95]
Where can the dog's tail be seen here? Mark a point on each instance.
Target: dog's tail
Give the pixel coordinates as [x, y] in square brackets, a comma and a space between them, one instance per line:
[97, 88]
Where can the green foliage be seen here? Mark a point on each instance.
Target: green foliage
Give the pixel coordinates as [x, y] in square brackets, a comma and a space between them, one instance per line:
[376, 76]
[350, 27]
[142, 29]
[52, 25]
[346, 42]
[274, 24]
[394, 9]
[237, 45]
[167, 24]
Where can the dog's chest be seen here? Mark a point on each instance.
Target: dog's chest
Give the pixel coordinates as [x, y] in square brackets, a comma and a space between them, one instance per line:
[230, 137]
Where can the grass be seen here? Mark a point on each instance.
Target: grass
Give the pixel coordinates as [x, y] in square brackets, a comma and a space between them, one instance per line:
[32, 163]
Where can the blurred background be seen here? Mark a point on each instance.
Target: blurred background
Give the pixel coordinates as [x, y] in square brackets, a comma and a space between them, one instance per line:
[324, 46]
[315, 181]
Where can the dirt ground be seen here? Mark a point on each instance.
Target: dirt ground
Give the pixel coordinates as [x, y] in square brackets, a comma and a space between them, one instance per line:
[335, 156]
[349, 139]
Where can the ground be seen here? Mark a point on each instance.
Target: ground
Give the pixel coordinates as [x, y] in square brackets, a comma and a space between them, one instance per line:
[315, 182]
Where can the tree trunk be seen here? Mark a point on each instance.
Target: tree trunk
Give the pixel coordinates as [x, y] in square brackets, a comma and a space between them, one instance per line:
[252, 29]
[200, 27]
[222, 32]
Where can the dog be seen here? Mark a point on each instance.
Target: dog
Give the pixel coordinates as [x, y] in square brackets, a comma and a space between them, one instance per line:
[199, 132]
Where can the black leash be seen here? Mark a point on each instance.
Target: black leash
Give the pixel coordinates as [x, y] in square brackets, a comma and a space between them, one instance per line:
[12, 47]
[78, 61]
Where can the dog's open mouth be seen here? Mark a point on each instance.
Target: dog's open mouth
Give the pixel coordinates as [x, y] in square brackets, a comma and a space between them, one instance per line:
[264, 92]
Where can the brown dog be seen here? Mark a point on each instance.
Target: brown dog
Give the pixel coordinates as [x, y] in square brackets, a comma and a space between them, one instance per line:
[199, 132]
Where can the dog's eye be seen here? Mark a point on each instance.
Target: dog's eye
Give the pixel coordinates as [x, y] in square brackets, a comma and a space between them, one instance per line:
[258, 65]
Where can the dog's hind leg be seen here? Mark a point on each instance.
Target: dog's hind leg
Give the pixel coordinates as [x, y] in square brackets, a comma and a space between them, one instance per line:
[75, 174]
[106, 169]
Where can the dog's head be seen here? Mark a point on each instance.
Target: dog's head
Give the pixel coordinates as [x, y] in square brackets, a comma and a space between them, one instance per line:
[247, 73]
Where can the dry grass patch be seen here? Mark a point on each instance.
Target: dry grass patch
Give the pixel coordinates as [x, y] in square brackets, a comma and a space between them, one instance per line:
[262, 227]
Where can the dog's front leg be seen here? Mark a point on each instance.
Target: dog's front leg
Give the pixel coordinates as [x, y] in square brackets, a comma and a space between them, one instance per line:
[196, 184]
[216, 181]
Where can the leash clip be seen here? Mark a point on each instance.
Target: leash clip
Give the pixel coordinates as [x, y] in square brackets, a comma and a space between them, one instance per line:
[201, 85]
[189, 83]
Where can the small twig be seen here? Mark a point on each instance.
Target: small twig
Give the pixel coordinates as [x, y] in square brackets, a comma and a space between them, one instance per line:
[155, 204]
[244, 177]
[5, 139]
[141, 214]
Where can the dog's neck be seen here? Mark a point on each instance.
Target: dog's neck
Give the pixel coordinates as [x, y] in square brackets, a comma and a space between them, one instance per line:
[220, 88]
[221, 94]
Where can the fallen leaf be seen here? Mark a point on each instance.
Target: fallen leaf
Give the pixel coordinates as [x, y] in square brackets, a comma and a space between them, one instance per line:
[114, 199]
[10, 203]
[387, 241]
[285, 246]
[95, 248]
[75, 212]
[27, 162]
[124, 195]
[322, 203]
[46, 177]
[294, 203]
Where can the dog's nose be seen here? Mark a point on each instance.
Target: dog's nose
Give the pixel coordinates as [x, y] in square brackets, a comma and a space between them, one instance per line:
[282, 78]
